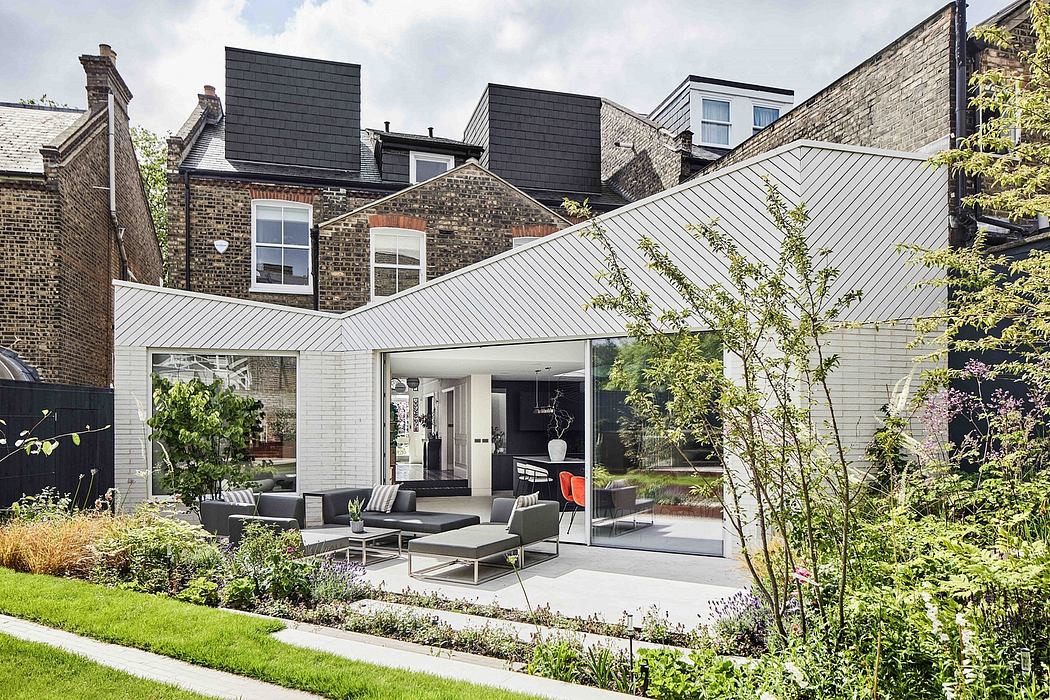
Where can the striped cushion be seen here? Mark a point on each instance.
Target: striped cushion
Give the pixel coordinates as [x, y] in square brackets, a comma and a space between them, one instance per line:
[239, 496]
[523, 502]
[382, 499]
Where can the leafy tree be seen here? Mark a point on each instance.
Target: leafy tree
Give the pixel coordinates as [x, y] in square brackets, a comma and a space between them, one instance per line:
[152, 155]
[1010, 149]
[204, 431]
[773, 425]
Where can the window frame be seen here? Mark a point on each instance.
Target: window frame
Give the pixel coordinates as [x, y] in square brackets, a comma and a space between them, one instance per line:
[414, 156]
[728, 124]
[270, 288]
[372, 264]
[179, 350]
[754, 127]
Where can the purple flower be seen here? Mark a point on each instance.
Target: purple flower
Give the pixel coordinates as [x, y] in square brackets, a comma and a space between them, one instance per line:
[977, 369]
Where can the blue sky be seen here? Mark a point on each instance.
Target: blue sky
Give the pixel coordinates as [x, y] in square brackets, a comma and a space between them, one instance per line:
[425, 63]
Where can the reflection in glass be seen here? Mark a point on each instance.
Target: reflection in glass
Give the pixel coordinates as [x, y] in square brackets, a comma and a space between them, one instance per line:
[648, 493]
[269, 379]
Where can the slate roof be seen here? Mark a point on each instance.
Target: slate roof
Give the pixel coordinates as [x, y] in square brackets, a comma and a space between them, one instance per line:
[209, 153]
[24, 129]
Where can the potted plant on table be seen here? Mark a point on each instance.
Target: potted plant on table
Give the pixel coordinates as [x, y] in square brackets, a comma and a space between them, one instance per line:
[356, 508]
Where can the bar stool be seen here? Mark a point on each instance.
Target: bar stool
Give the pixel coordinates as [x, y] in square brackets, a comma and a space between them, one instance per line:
[537, 478]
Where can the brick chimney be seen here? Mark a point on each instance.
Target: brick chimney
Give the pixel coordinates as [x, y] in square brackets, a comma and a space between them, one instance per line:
[685, 140]
[210, 103]
[103, 78]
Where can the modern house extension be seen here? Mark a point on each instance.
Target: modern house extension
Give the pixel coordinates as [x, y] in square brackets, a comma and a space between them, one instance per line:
[466, 367]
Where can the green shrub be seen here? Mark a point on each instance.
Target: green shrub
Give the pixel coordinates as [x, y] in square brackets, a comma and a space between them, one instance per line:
[200, 591]
[239, 593]
[271, 559]
[155, 553]
[557, 658]
[668, 675]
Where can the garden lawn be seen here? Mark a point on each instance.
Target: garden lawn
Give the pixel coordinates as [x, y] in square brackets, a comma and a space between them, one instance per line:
[214, 638]
[32, 671]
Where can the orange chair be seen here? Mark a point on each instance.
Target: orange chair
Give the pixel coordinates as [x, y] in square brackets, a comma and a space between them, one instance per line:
[565, 481]
[578, 489]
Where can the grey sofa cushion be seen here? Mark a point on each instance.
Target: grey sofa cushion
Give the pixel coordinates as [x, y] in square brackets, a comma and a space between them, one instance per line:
[535, 523]
[334, 503]
[215, 515]
[276, 505]
[419, 521]
[474, 542]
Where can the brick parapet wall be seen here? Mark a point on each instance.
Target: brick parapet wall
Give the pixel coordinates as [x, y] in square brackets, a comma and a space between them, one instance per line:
[899, 99]
[652, 163]
[61, 255]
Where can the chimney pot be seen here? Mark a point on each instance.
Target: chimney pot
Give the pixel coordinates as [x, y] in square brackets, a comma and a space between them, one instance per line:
[430, 131]
[209, 90]
[106, 51]
[386, 126]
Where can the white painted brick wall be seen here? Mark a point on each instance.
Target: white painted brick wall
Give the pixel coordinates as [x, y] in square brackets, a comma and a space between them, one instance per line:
[337, 420]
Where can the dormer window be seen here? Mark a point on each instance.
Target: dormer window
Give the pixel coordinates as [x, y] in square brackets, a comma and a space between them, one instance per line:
[424, 166]
[281, 247]
[715, 122]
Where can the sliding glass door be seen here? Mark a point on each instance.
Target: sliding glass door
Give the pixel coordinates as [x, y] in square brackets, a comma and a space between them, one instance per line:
[646, 492]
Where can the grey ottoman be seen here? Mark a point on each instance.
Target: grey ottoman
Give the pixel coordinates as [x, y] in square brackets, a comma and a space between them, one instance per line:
[469, 545]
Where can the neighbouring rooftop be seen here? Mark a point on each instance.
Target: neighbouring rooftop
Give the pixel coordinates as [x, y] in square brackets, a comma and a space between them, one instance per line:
[24, 129]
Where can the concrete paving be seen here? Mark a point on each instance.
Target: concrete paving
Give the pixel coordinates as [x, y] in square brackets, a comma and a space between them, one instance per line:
[155, 667]
[594, 580]
[445, 665]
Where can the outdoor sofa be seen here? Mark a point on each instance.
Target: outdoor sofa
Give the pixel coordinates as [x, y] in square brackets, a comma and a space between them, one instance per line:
[617, 503]
[403, 516]
[509, 531]
[215, 514]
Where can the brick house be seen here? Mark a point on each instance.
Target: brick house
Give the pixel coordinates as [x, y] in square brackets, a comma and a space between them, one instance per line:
[73, 217]
[249, 186]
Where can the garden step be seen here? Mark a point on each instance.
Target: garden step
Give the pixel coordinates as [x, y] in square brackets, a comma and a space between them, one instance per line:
[522, 630]
[441, 663]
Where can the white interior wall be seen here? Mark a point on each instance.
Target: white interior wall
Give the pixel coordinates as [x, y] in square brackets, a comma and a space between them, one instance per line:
[480, 436]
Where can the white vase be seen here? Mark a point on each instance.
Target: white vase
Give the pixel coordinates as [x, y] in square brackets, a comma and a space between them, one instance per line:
[556, 450]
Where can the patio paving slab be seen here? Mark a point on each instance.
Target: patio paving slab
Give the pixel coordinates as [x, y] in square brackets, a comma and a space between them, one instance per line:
[152, 666]
[595, 580]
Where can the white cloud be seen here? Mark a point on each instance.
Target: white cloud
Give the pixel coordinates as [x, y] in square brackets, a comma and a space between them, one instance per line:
[425, 63]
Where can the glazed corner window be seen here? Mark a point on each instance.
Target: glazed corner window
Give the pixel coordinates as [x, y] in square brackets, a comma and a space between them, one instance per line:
[281, 247]
[423, 166]
[764, 116]
[399, 260]
[714, 122]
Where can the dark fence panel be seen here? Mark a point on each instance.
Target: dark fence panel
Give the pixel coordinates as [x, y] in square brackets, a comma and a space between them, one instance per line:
[71, 408]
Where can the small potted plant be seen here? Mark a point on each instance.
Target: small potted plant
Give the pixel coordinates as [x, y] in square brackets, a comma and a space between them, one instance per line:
[356, 508]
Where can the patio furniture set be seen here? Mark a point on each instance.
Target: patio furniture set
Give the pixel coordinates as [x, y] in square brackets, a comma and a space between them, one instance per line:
[463, 544]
